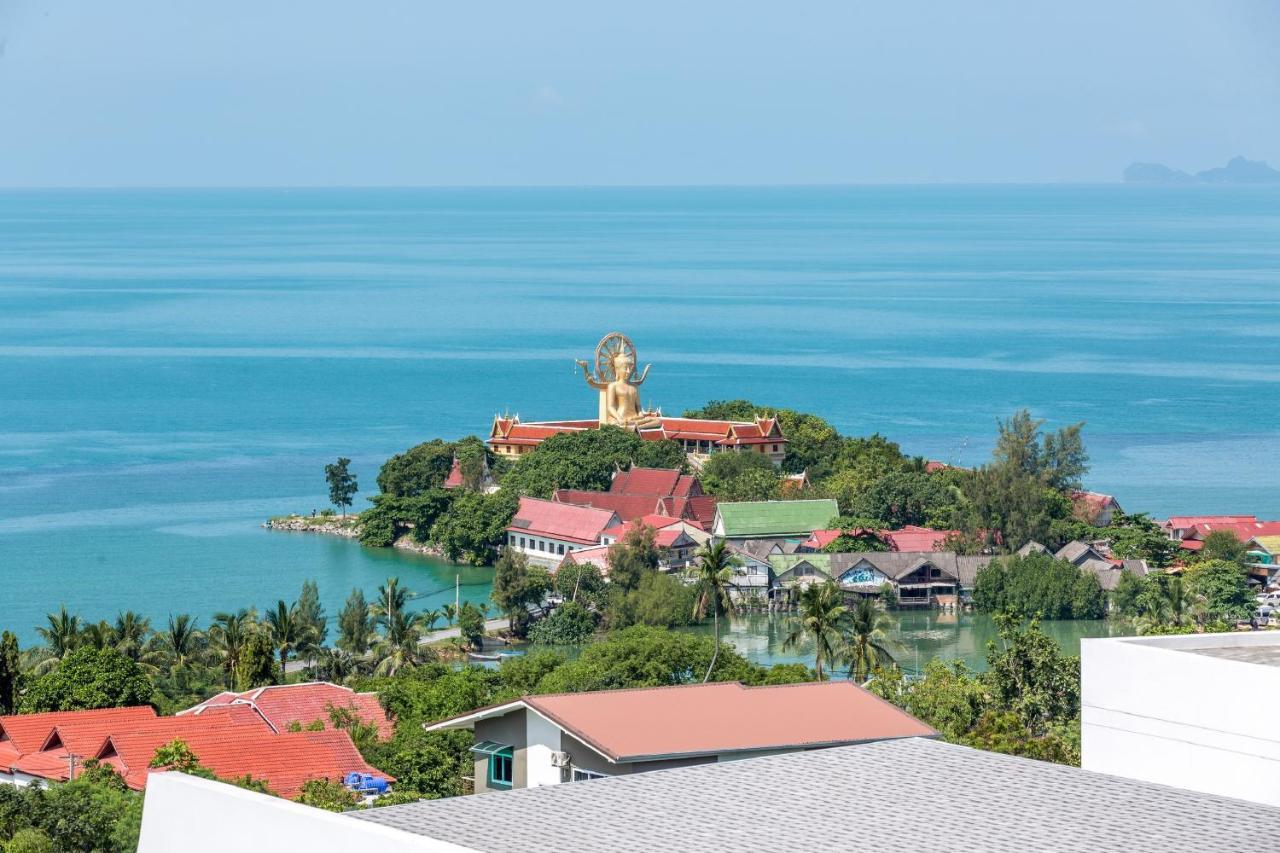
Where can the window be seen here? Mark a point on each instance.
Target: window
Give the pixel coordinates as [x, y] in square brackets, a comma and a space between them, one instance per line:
[500, 762]
[500, 771]
[542, 545]
[521, 541]
[560, 549]
[584, 775]
[775, 448]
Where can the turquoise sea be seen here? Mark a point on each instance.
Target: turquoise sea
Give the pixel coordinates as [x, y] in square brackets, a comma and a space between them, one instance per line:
[175, 366]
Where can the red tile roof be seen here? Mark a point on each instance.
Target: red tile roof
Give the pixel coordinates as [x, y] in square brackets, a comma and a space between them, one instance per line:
[454, 480]
[231, 740]
[283, 761]
[627, 507]
[1243, 531]
[700, 509]
[280, 705]
[1186, 521]
[913, 538]
[565, 522]
[28, 732]
[597, 556]
[659, 482]
[708, 719]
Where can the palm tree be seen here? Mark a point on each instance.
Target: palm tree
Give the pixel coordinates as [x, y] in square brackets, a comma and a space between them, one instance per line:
[131, 632]
[713, 574]
[1172, 603]
[866, 640]
[180, 642]
[228, 636]
[335, 665]
[99, 635]
[288, 630]
[63, 634]
[450, 613]
[822, 615]
[429, 619]
[399, 648]
[391, 600]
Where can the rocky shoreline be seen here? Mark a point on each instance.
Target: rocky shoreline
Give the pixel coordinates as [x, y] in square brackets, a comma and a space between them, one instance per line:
[346, 528]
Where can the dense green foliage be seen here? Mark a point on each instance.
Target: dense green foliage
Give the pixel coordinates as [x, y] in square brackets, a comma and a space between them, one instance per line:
[95, 813]
[10, 673]
[856, 635]
[517, 586]
[1026, 703]
[89, 678]
[587, 460]
[570, 624]
[474, 526]
[1223, 587]
[1039, 585]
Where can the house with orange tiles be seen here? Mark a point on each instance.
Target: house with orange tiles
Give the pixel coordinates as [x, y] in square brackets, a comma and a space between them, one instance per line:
[553, 739]
[232, 740]
[281, 705]
[649, 491]
[544, 531]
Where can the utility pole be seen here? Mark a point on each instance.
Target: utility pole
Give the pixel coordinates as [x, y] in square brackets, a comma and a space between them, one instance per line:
[71, 767]
[457, 593]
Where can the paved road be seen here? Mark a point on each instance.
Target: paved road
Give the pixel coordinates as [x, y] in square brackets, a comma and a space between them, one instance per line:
[433, 637]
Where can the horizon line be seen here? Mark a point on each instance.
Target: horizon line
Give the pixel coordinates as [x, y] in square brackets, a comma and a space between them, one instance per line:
[585, 186]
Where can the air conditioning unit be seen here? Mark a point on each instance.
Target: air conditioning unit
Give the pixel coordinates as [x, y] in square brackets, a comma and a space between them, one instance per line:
[561, 759]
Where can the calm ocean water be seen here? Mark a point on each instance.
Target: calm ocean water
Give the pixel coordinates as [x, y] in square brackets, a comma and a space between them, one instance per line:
[175, 366]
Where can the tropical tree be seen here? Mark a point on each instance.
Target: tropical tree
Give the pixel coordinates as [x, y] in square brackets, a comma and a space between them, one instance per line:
[355, 624]
[866, 639]
[391, 600]
[822, 616]
[10, 673]
[180, 641]
[334, 665]
[342, 484]
[311, 611]
[98, 635]
[713, 575]
[62, 633]
[1168, 603]
[131, 633]
[429, 619]
[287, 631]
[450, 613]
[398, 649]
[228, 636]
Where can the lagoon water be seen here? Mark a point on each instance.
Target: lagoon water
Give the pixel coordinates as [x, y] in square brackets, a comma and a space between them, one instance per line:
[175, 366]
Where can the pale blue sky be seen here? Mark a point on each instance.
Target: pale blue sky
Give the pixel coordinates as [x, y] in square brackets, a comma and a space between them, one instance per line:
[410, 92]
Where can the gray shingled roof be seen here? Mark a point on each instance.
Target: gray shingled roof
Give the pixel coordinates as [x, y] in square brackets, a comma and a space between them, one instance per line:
[903, 796]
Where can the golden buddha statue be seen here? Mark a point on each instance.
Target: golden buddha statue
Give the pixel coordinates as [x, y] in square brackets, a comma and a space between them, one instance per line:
[614, 371]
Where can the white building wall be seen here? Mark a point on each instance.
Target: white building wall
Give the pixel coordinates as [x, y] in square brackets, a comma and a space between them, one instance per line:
[183, 814]
[543, 738]
[1155, 712]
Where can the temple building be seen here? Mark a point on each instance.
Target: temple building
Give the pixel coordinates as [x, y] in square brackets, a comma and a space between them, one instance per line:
[619, 405]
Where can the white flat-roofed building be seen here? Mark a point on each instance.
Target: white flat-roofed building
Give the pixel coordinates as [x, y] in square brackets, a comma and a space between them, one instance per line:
[1197, 711]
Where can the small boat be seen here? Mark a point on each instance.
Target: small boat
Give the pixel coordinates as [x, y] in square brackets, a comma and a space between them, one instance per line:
[479, 656]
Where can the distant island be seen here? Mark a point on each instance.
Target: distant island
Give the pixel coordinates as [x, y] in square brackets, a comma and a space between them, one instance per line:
[1238, 170]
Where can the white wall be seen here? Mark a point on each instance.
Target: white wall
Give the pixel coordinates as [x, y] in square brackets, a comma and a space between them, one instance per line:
[1155, 712]
[183, 814]
[543, 738]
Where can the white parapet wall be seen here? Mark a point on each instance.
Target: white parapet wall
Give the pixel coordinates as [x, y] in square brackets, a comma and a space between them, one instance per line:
[184, 814]
[1155, 709]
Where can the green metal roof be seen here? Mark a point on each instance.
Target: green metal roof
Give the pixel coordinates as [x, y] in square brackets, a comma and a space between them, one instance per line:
[776, 518]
